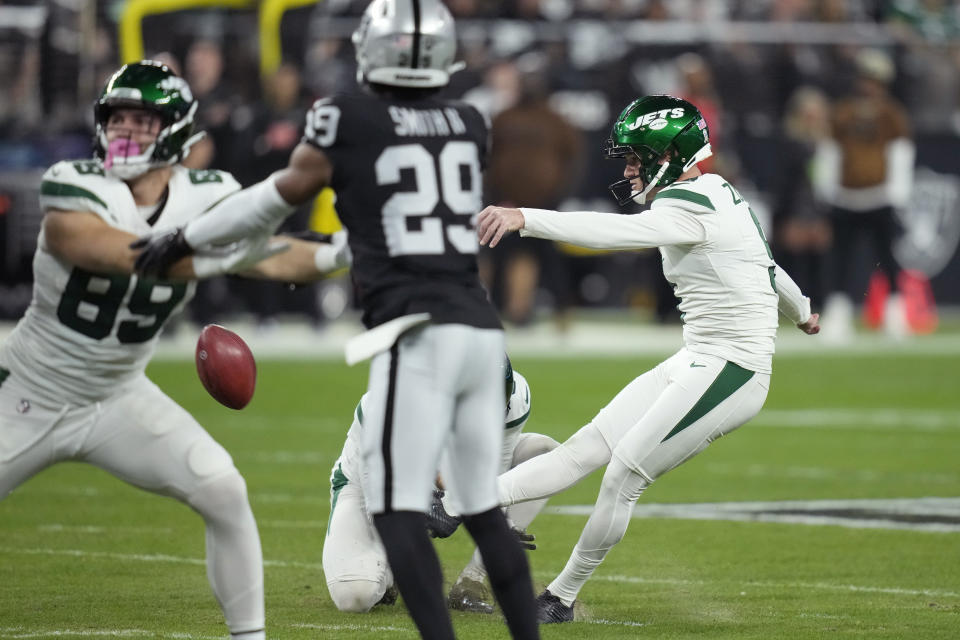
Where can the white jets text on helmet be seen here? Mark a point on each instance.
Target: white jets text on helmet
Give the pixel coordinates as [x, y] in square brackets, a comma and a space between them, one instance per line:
[649, 118]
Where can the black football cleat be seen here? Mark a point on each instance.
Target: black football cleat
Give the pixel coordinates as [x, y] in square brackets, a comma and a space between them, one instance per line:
[551, 610]
[440, 524]
[389, 597]
[469, 595]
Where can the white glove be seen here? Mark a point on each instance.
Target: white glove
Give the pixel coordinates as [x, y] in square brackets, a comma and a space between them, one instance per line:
[333, 256]
[237, 256]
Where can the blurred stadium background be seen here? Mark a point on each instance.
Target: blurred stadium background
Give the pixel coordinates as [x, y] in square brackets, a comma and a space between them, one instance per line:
[556, 70]
[864, 437]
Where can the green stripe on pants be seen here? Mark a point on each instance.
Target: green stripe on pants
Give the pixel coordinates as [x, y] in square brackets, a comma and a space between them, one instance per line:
[731, 378]
[337, 482]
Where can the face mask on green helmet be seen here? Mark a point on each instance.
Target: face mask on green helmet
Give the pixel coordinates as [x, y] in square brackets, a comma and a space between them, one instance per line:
[155, 87]
[666, 136]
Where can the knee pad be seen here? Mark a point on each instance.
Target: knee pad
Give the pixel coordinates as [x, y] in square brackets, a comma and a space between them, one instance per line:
[221, 497]
[355, 596]
[532, 445]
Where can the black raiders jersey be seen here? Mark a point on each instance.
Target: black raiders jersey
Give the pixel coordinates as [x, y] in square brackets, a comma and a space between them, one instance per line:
[407, 178]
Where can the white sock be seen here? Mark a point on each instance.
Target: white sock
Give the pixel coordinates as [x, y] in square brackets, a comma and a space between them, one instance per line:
[474, 570]
[249, 635]
[234, 556]
[619, 492]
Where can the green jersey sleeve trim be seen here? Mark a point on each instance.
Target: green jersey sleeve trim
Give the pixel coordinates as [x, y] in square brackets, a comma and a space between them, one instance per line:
[62, 190]
[689, 196]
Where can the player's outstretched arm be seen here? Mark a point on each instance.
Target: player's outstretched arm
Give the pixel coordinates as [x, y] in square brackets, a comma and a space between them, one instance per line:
[304, 261]
[811, 326]
[262, 207]
[85, 240]
[794, 304]
[663, 226]
[495, 222]
[254, 211]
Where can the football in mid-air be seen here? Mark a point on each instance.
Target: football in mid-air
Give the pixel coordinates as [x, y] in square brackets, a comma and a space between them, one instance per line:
[226, 366]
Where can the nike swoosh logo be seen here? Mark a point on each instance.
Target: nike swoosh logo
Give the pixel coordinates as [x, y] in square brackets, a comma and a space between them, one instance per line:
[694, 364]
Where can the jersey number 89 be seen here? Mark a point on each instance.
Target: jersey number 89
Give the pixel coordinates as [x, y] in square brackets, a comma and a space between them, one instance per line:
[90, 304]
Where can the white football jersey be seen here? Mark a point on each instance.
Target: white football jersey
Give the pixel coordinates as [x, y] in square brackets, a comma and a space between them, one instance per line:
[714, 254]
[349, 466]
[85, 335]
[726, 285]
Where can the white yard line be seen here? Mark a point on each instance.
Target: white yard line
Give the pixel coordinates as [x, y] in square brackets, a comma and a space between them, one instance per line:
[878, 418]
[292, 524]
[145, 557]
[322, 497]
[857, 514]
[768, 584]
[760, 470]
[285, 457]
[540, 574]
[612, 623]
[354, 627]
[98, 530]
[79, 553]
[21, 632]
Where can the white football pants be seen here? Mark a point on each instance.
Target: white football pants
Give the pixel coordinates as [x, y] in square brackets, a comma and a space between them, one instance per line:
[354, 561]
[146, 439]
[440, 386]
[661, 419]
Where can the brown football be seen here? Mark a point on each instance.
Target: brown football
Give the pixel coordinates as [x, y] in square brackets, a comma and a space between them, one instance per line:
[226, 366]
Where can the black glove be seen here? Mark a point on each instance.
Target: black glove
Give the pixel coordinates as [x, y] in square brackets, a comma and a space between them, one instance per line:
[160, 252]
[525, 539]
[440, 524]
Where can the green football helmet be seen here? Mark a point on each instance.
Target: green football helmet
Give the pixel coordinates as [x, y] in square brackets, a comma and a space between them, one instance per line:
[154, 86]
[668, 135]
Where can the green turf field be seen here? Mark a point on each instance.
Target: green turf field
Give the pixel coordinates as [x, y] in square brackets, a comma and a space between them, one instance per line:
[83, 555]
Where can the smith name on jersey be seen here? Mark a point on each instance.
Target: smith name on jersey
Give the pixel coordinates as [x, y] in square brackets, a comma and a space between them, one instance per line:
[407, 177]
[86, 334]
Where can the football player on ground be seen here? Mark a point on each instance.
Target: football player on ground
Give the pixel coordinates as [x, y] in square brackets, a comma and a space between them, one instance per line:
[717, 259]
[406, 168]
[72, 383]
[355, 563]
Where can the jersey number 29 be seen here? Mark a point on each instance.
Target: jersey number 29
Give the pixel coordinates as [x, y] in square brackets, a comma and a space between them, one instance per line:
[455, 159]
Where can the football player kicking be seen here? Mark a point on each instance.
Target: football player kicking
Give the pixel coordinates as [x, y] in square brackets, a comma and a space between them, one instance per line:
[72, 382]
[406, 167]
[718, 261]
[355, 562]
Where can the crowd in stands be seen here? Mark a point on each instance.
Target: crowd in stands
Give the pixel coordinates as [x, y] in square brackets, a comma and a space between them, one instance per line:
[549, 75]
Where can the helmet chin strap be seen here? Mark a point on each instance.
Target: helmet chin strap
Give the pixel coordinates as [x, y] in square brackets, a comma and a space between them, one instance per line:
[641, 197]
